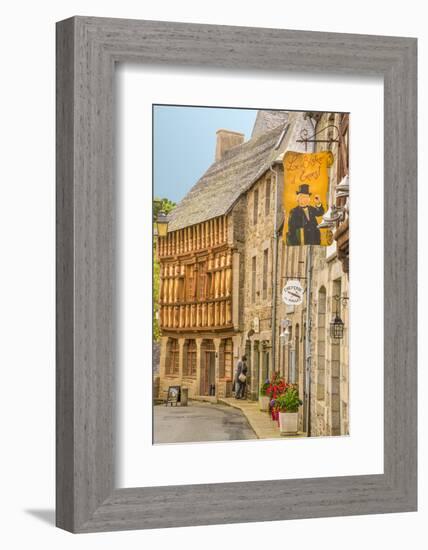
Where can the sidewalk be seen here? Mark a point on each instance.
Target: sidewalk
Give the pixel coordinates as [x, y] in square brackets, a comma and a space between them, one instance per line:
[260, 421]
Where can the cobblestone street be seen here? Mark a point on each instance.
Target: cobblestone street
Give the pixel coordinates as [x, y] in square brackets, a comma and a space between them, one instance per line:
[200, 422]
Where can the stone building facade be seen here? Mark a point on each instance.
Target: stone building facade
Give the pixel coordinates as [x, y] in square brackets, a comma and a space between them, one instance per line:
[264, 219]
[310, 356]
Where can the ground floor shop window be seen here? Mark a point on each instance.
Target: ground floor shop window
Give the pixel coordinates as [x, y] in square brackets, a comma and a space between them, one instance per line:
[172, 357]
[190, 358]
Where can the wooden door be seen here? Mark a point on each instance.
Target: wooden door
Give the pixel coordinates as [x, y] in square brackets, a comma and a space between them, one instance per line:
[208, 368]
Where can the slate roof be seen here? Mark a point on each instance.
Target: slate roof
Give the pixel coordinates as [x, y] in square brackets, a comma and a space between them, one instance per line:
[268, 120]
[219, 188]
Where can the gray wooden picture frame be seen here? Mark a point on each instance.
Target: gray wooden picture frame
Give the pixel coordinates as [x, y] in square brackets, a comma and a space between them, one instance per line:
[87, 51]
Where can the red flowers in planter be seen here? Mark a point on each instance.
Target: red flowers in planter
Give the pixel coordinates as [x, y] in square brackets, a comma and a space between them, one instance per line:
[276, 388]
[282, 396]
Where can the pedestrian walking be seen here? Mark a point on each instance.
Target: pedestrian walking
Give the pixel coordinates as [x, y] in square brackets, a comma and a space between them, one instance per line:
[241, 378]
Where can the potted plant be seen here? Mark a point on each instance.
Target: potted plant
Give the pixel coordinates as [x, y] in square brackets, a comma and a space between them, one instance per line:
[288, 404]
[264, 397]
[276, 387]
[268, 391]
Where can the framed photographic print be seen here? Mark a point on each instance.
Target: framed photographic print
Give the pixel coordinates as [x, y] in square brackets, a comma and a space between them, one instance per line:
[236, 274]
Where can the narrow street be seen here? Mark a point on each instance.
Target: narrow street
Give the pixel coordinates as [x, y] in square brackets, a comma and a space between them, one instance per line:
[200, 422]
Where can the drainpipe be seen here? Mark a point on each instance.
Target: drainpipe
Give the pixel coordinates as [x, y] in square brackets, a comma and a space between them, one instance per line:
[274, 269]
[307, 419]
[308, 366]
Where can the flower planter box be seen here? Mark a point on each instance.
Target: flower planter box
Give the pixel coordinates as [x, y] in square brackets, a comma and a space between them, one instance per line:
[264, 402]
[288, 423]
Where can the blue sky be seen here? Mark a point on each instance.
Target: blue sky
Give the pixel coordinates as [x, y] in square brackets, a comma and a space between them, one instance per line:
[184, 141]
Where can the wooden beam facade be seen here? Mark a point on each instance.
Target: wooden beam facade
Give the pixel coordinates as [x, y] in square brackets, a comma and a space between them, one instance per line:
[196, 278]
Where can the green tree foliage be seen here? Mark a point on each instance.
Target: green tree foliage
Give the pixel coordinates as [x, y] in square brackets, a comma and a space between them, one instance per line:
[162, 204]
[158, 205]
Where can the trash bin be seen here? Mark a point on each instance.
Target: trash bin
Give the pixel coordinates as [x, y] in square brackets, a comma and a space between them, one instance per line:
[184, 397]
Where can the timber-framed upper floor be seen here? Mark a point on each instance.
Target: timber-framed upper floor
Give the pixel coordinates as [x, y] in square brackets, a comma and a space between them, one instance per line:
[195, 291]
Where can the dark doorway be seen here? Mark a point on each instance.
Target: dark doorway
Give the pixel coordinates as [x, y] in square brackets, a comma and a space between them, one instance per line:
[258, 378]
[251, 379]
[265, 363]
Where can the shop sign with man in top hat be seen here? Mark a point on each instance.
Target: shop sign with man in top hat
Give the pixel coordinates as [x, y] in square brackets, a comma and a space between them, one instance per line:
[305, 197]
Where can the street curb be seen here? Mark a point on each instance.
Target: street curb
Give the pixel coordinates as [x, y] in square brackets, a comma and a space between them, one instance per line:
[236, 406]
[203, 399]
[260, 433]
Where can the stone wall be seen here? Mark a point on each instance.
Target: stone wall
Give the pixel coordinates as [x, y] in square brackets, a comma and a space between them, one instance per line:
[257, 310]
[329, 359]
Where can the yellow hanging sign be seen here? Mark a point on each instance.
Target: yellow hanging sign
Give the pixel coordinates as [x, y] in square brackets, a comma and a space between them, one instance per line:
[305, 197]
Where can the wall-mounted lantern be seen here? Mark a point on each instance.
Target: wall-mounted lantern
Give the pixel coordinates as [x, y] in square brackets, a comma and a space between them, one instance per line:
[285, 331]
[337, 325]
[342, 189]
[337, 213]
[162, 224]
[336, 328]
[334, 214]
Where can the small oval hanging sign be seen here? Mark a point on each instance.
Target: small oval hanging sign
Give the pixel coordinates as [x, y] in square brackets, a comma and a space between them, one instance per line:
[292, 293]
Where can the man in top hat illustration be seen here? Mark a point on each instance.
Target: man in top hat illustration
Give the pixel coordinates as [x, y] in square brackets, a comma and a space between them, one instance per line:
[302, 223]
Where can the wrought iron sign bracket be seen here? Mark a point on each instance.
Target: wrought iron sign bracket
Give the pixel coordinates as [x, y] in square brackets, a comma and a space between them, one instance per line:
[313, 138]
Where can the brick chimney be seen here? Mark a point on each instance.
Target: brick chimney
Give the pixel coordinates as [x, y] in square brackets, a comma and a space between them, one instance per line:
[226, 139]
